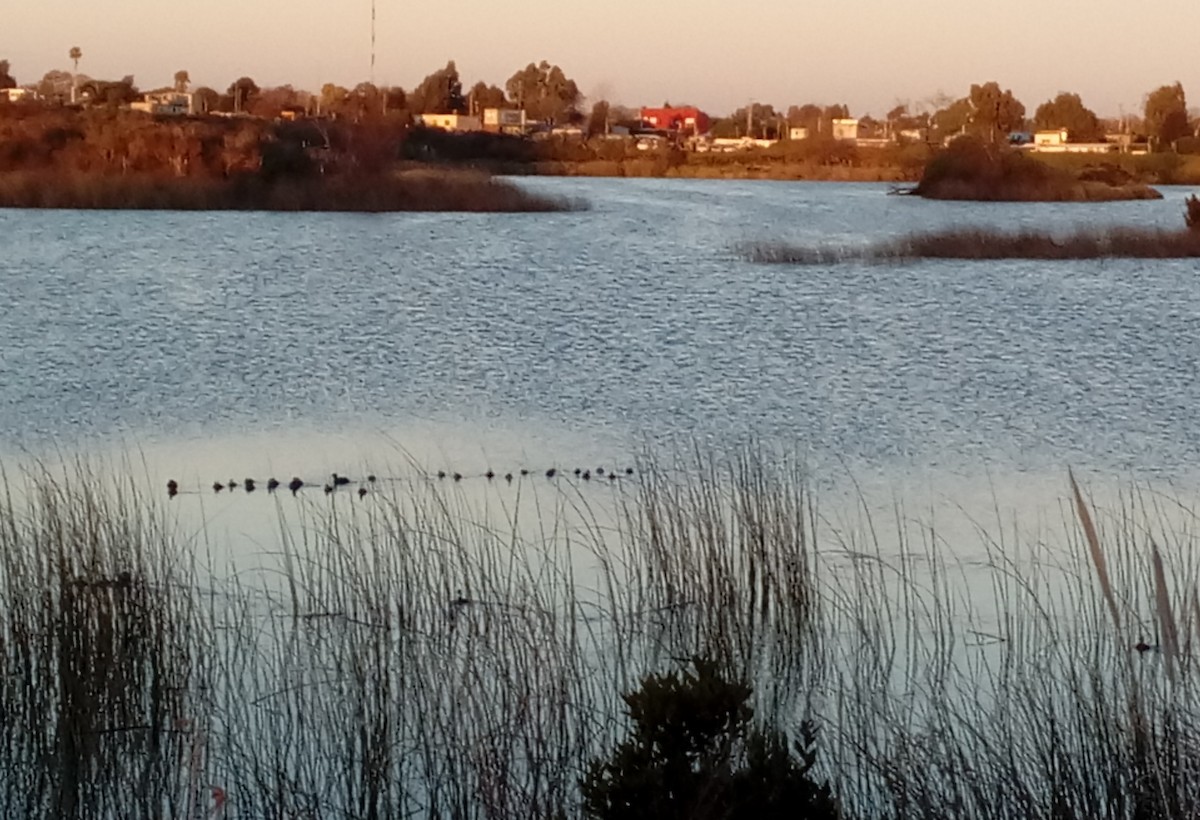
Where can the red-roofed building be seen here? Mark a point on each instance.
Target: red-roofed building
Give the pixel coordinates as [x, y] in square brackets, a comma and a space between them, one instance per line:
[687, 120]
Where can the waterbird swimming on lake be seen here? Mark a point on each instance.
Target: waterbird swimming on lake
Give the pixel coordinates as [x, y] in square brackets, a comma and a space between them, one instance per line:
[362, 491]
[371, 478]
[232, 485]
[628, 471]
[272, 485]
[458, 476]
[599, 471]
[218, 486]
[508, 477]
[340, 480]
[249, 485]
[578, 472]
[551, 473]
[172, 488]
[587, 475]
[489, 475]
[524, 471]
[441, 473]
[295, 484]
[328, 489]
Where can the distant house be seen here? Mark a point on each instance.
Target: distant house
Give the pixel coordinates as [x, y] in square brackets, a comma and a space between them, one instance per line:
[687, 120]
[797, 132]
[505, 120]
[452, 122]
[1057, 142]
[1051, 138]
[17, 94]
[844, 128]
[168, 103]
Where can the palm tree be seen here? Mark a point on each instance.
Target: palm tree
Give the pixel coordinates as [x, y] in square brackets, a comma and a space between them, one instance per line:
[76, 54]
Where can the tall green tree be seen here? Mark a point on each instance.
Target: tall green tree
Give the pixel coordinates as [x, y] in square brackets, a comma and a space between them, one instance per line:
[995, 113]
[544, 92]
[439, 93]
[1166, 114]
[6, 79]
[243, 91]
[1068, 111]
[598, 121]
[953, 118]
[182, 81]
[486, 96]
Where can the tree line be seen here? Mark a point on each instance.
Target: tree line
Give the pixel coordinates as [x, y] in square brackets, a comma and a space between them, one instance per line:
[547, 94]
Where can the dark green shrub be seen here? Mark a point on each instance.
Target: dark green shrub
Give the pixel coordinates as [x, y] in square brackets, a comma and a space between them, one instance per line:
[1193, 212]
[694, 754]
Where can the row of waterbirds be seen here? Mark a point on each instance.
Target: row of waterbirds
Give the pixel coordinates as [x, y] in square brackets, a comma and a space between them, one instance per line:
[337, 481]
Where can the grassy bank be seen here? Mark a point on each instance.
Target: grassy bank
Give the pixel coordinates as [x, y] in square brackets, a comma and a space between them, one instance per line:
[408, 656]
[422, 190]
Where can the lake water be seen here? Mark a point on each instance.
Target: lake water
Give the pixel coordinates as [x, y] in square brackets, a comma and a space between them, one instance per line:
[227, 344]
[207, 347]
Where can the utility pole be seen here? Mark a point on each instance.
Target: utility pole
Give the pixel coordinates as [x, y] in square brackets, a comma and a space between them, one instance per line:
[372, 42]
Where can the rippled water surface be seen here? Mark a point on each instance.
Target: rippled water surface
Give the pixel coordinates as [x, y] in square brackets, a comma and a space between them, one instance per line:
[599, 330]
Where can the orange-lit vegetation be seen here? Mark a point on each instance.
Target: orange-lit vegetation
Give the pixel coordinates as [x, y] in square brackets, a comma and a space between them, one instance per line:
[66, 158]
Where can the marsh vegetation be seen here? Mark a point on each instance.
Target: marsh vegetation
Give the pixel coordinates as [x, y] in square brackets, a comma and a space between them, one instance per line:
[413, 656]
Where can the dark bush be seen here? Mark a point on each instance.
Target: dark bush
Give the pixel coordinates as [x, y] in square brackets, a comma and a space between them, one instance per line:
[1193, 213]
[694, 755]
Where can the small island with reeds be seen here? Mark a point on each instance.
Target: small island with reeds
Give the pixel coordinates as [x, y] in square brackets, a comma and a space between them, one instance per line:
[969, 169]
[106, 159]
[988, 243]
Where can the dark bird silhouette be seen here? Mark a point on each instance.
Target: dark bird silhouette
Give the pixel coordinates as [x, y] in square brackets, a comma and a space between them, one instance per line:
[612, 476]
[587, 475]
[340, 480]
[551, 473]
[628, 471]
[172, 488]
[441, 473]
[249, 485]
[294, 485]
[578, 472]
[218, 486]
[233, 485]
[328, 489]
[458, 476]
[599, 471]
[362, 491]
[524, 471]
[489, 475]
[371, 478]
[508, 477]
[272, 485]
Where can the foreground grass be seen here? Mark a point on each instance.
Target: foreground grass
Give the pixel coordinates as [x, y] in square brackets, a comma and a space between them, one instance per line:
[410, 656]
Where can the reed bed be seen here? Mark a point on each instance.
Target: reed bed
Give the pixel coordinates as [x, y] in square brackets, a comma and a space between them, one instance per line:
[986, 244]
[421, 656]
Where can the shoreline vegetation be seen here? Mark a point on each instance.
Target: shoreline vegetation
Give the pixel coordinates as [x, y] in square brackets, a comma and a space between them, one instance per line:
[410, 656]
[66, 158]
[969, 169]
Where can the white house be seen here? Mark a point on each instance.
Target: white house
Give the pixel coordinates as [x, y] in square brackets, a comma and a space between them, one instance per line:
[844, 128]
[504, 120]
[171, 103]
[452, 122]
[16, 94]
[797, 132]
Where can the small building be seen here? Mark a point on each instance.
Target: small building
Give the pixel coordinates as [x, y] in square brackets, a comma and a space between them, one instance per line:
[452, 122]
[844, 128]
[1049, 139]
[17, 94]
[687, 120]
[168, 103]
[798, 132]
[505, 120]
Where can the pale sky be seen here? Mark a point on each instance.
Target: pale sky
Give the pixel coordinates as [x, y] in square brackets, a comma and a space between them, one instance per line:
[869, 54]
